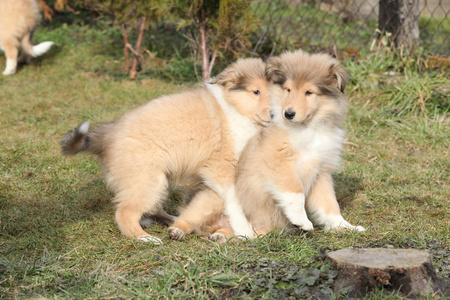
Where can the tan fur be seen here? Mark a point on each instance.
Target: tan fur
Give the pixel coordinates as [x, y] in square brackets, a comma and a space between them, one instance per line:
[186, 134]
[295, 156]
[18, 20]
[298, 153]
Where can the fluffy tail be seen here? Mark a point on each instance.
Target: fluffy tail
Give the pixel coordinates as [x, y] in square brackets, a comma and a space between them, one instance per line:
[40, 49]
[80, 139]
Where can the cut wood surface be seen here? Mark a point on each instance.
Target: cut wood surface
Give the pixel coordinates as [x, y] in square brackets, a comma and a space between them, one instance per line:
[362, 270]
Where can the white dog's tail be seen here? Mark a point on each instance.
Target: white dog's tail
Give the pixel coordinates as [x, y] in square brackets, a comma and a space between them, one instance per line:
[81, 139]
[37, 50]
[41, 48]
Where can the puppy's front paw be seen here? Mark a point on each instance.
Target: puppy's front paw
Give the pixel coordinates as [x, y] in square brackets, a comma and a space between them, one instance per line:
[176, 234]
[338, 223]
[245, 232]
[305, 225]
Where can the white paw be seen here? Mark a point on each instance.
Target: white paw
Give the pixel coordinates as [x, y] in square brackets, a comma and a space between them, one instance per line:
[11, 66]
[150, 239]
[241, 227]
[304, 225]
[359, 228]
[236, 216]
[9, 72]
[176, 234]
[338, 223]
[246, 234]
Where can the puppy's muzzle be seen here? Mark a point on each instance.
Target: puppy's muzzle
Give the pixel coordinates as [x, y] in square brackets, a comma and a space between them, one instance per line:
[289, 114]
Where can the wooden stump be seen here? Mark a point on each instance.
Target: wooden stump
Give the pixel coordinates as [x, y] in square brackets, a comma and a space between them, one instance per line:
[361, 270]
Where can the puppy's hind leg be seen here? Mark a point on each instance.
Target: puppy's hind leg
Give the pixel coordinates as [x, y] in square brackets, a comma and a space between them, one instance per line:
[136, 196]
[323, 206]
[202, 208]
[221, 235]
[10, 46]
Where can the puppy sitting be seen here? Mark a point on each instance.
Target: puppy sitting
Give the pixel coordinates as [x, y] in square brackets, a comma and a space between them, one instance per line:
[287, 166]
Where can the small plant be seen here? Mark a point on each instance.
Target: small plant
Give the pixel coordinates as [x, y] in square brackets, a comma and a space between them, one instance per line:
[217, 29]
[129, 14]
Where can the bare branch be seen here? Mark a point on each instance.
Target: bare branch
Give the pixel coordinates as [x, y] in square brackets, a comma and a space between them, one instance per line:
[134, 64]
[126, 49]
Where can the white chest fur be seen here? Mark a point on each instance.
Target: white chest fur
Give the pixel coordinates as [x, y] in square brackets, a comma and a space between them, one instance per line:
[242, 129]
[319, 145]
[315, 143]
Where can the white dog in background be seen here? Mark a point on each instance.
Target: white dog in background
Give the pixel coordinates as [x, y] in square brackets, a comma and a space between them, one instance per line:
[18, 20]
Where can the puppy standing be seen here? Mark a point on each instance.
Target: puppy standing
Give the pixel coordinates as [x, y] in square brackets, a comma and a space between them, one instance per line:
[18, 20]
[196, 133]
[289, 163]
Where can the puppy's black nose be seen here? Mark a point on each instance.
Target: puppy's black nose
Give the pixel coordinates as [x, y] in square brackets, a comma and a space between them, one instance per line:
[289, 114]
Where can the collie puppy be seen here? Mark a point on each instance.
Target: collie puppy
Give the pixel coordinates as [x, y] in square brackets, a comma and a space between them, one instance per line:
[198, 133]
[18, 21]
[287, 166]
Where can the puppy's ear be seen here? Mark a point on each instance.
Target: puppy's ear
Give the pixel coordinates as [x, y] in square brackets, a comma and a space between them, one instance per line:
[340, 76]
[228, 76]
[274, 71]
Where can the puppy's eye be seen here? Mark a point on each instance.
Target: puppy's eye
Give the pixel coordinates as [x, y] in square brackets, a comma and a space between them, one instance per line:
[308, 93]
[288, 90]
[257, 92]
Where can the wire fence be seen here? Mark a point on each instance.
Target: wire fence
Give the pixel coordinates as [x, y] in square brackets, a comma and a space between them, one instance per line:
[347, 25]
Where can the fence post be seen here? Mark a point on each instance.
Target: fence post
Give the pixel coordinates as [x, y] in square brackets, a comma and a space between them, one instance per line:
[401, 19]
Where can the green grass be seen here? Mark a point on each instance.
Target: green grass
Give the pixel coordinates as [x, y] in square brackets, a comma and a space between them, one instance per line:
[58, 238]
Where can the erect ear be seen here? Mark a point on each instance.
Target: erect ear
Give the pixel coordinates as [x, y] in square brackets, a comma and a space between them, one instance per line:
[339, 75]
[274, 71]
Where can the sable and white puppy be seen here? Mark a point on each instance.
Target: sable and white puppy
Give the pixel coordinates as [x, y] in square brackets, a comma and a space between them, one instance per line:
[18, 21]
[195, 133]
[288, 164]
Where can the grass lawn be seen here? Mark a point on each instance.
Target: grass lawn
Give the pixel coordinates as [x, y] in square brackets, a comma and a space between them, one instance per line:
[58, 237]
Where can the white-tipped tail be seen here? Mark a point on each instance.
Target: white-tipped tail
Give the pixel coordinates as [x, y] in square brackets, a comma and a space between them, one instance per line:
[84, 128]
[41, 48]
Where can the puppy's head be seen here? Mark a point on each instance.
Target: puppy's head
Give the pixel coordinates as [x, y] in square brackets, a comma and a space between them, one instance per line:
[246, 88]
[308, 87]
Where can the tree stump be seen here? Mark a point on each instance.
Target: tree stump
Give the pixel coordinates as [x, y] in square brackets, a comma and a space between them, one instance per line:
[362, 270]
